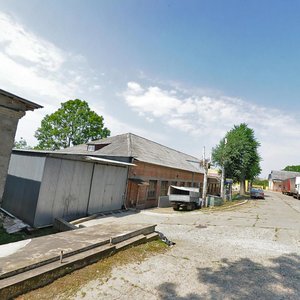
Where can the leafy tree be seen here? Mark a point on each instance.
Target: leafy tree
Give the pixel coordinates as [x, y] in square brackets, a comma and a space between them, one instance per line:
[237, 153]
[261, 182]
[21, 144]
[72, 124]
[292, 168]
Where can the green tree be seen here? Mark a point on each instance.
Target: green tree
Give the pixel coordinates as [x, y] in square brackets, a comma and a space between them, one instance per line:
[237, 153]
[72, 124]
[21, 144]
[292, 168]
[261, 182]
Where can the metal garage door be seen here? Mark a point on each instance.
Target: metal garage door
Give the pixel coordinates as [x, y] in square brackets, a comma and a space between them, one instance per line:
[108, 188]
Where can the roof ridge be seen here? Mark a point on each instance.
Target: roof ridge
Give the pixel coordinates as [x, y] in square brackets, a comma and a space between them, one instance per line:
[129, 144]
[163, 145]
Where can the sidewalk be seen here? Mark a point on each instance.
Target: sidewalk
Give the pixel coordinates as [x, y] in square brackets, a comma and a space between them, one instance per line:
[28, 259]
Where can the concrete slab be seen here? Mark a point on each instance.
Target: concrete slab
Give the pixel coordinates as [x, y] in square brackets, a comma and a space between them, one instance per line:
[47, 249]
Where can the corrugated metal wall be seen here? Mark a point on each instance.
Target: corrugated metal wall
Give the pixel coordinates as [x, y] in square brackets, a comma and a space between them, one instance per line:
[64, 191]
[23, 185]
[70, 190]
[40, 188]
[108, 188]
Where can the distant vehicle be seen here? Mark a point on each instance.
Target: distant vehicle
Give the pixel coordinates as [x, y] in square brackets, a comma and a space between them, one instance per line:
[297, 188]
[256, 193]
[186, 198]
[288, 186]
[291, 187]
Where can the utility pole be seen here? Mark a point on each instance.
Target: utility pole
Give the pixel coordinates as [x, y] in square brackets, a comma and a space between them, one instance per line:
[222, 181]
[223, 172]
[205, 166]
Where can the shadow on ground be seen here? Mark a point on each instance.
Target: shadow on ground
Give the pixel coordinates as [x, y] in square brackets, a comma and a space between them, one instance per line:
[244, 279]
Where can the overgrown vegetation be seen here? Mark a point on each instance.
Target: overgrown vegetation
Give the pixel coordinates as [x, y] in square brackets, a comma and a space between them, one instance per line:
[6, 238]
[69, 285]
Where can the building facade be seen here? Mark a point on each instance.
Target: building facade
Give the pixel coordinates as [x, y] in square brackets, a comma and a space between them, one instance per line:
[156, 166]
[147, 182]
[42, 186]
[12, 108]
[276, 178]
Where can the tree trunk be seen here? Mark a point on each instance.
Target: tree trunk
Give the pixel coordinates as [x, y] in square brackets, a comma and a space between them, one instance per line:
[242, 186]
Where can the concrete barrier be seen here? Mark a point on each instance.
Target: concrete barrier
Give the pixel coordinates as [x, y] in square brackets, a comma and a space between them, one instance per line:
[62, 225]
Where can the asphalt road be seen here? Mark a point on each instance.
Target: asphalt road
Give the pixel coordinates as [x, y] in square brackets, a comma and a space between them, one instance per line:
[249, 252]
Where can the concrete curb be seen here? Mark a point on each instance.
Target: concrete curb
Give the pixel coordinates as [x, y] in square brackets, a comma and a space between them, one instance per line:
[23, 280]
[237, 204]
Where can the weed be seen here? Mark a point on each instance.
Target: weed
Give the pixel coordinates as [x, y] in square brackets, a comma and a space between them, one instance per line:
[70, 284]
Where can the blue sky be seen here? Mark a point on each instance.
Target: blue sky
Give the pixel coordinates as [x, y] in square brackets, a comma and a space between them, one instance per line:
[179, 72]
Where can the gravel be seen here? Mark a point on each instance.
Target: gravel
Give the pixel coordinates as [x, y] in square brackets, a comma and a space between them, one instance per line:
[249, 252]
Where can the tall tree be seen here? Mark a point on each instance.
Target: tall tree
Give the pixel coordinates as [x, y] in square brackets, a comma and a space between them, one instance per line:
[237, 152]
[72, 124]
[292, 168]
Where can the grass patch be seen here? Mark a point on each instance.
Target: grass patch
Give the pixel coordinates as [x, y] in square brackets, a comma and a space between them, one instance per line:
[6, 238]
[69, 285]
[237, 197]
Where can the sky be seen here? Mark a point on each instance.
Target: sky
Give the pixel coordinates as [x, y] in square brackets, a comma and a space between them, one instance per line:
[181, 73]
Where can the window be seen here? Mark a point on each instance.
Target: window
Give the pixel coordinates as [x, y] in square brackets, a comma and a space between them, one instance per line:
[152, 189]
[91, 148]
[174, 183]
[164, 188]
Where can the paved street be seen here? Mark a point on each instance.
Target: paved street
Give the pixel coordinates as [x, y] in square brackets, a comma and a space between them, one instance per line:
[247, 252]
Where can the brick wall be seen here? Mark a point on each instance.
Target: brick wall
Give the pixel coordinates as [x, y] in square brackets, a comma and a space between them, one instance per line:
[137, 192]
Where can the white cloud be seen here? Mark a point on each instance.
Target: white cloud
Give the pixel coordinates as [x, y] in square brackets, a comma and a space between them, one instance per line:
[35, 66]
[209, 118]
[20, 43]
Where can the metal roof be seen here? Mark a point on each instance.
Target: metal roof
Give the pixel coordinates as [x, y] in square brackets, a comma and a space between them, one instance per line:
[141, 149]
[73, 156]
[282, 175]
[185, 188]
[103, 160]
[28, 104]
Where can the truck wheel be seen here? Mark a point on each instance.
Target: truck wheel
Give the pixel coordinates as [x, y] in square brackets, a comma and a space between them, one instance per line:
[190, 206]
[176, 207]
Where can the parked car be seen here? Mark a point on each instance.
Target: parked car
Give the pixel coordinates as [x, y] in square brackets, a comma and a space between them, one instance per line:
[256, 193]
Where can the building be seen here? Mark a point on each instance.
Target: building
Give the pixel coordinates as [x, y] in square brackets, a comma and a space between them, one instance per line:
[156, 166]
[12, 108]
[277, 177]
[44, 185]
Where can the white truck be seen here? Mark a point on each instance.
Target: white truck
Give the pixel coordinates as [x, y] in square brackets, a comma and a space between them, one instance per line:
[296, 193]
[186, 198]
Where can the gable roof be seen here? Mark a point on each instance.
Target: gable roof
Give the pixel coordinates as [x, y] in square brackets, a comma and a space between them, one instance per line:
[141, 149]
[282, 175]
[28, 104]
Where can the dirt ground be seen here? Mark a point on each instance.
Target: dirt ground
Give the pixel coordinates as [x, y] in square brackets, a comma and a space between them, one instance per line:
[248, 252]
